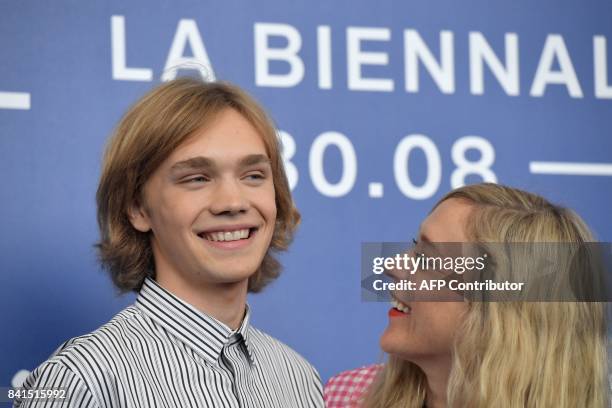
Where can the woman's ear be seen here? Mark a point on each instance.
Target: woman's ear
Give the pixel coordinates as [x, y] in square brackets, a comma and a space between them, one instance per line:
[139, 218]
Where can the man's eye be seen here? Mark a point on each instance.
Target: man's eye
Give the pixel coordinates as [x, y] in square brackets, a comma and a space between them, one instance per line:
[196, 179]
[255, 176]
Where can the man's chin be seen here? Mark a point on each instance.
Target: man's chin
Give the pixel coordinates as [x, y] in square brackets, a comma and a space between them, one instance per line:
[232, 277]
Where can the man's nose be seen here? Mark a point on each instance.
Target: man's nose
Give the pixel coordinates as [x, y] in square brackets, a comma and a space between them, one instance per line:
[229, 198]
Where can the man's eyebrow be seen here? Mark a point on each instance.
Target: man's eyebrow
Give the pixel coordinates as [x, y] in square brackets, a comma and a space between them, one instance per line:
[253, 159]
[201, 162]
[198, 162]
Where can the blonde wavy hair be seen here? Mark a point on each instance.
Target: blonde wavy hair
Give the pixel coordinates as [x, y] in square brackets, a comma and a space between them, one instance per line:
[514, 354]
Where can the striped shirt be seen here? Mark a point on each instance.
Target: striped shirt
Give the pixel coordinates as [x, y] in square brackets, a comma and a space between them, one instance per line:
[162, 352]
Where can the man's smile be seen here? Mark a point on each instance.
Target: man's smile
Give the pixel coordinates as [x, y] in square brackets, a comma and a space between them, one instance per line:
[229, 237]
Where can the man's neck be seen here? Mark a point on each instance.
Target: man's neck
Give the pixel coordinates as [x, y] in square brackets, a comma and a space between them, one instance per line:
[223, 301]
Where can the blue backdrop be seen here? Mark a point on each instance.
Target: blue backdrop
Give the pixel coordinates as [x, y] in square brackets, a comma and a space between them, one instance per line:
[383, 107]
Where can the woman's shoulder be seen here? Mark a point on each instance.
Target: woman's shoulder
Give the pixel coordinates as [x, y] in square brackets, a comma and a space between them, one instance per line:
[345, 389]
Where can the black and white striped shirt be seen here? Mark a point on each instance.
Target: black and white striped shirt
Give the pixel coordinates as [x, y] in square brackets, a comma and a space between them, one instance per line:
[162, 352]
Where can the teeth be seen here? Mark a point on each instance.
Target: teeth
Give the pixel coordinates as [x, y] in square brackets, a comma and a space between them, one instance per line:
[228, 235]
[400, 306]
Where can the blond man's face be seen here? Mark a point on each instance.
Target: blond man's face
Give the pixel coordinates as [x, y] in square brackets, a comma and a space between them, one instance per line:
[211, 205]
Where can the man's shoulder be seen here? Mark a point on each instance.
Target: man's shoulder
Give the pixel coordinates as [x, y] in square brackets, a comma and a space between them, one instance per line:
[85, 362]
[281, 351]
[99, 347]
[264, 339]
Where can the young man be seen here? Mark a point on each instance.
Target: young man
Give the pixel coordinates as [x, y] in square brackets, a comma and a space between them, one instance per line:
[192, 201]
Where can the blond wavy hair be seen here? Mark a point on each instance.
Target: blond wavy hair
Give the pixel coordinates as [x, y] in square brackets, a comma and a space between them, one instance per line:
[514, 354]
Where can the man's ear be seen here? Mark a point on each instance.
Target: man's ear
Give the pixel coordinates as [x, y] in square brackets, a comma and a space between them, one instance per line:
[139, 218]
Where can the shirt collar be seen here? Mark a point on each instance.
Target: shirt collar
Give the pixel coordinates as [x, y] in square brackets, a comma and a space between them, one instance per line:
[204, 334]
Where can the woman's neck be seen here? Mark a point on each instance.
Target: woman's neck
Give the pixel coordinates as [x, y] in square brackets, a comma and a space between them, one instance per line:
[437, 372]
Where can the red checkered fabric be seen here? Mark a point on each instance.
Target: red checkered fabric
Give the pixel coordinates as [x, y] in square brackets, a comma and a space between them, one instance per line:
[346, 389]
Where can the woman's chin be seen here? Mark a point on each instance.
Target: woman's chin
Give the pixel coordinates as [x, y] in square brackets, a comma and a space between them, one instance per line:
[393, 343]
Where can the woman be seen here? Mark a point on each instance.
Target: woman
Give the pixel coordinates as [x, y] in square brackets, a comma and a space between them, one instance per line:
[487, 354]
